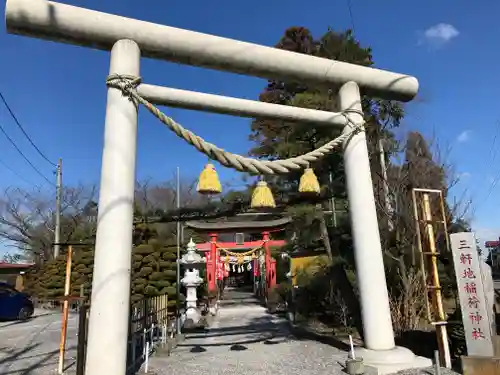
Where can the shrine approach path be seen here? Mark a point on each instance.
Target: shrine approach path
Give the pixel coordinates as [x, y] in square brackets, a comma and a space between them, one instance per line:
[245, 339]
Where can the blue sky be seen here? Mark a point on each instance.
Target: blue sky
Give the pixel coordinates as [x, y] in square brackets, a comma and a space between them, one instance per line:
[58, 91]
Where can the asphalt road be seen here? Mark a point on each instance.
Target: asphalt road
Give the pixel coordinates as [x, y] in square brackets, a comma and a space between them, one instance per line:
[32, 347]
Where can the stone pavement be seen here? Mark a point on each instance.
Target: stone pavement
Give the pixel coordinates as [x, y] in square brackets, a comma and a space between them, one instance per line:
[245, 339]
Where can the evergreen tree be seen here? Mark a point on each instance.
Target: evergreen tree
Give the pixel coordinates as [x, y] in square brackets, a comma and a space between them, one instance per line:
[281, 139]
[277, 139]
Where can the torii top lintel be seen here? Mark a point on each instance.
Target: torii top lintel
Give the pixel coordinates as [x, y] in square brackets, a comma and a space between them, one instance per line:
[69, 24]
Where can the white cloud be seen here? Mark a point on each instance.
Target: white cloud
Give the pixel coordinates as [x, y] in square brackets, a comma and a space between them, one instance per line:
[463, 175]
[464, 136]
[439, 34]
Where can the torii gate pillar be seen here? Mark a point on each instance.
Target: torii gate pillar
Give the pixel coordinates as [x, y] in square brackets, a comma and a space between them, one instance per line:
[127, 39]
[110, 301]
[379, 349]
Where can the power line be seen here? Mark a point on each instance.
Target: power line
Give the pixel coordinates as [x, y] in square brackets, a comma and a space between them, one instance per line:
[24, 156]
[24, 131]
[492, 155]
[21, 177]
[349, 5]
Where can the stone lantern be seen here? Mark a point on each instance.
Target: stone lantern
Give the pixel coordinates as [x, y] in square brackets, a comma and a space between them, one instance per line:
[192, 261]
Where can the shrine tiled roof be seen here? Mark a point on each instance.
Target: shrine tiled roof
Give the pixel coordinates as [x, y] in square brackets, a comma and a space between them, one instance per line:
[242, 221]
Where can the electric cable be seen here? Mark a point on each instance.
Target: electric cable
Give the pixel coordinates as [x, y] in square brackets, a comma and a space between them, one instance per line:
[14, 117]
[2, 129]
[21, 177]
[349, 6]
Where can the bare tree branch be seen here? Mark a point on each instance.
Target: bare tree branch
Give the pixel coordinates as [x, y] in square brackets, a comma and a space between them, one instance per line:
[27, 218]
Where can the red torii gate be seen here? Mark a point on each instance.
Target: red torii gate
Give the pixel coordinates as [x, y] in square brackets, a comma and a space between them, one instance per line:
[239, 224]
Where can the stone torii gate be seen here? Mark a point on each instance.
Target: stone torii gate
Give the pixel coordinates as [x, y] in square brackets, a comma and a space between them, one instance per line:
[129, 40]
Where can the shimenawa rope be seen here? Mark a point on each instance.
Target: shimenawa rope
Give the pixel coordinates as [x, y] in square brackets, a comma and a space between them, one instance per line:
[246, 253]
[128, 84]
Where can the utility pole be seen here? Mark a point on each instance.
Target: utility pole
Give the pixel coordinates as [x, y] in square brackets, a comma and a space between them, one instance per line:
[57, 233]
[384, 182]
[178, 281]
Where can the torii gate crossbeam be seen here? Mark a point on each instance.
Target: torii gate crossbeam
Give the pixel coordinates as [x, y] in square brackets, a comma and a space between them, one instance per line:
[128, 40]
[68, 24]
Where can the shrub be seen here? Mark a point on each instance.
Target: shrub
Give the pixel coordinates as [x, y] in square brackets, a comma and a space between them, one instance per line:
[154, 272]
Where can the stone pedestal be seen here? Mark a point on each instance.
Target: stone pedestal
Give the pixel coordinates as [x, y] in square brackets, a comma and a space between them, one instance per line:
[213, 308]
[212, 305]
[381, 362]
[191, 281]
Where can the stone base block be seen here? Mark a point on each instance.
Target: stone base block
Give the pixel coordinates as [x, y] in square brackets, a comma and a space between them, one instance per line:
[480, 365]
[381, 362]
[193, 315]
[213, 308]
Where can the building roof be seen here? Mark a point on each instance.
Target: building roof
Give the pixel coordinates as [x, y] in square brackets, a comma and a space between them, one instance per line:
[5, 265]
[241, 222]
[490, 244]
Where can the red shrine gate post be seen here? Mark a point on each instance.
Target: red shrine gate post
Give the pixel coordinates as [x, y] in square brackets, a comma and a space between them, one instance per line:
[270, 263]
[211, 256]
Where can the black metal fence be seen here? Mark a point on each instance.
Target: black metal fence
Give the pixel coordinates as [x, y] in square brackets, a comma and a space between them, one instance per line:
[150, 326]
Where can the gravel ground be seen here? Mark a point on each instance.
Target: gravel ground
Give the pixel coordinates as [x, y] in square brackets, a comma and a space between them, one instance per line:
[32, 347]
[244, 339]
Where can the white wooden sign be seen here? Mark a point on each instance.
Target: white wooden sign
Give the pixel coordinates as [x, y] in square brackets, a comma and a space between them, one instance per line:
[475, 316]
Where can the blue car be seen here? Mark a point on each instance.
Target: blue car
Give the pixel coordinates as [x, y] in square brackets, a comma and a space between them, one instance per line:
[14, 304]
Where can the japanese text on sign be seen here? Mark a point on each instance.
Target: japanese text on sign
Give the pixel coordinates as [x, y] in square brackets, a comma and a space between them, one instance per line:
[472, 297]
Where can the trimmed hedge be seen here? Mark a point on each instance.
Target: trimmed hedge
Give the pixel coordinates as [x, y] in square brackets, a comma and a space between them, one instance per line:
[153, 265]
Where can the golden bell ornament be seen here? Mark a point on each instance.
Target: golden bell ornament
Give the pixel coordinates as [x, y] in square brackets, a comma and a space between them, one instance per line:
[309, 183]
[262, 197]
[209, 183]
